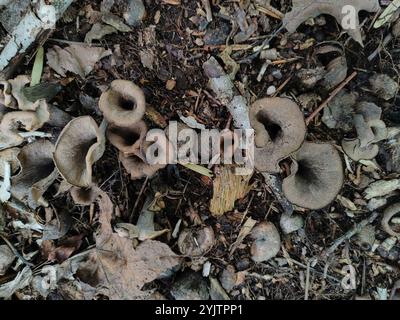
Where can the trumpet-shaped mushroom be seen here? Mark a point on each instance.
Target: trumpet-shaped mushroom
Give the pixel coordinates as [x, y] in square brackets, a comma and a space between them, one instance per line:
[37, 173]
[316, 176]
[352, 147]
[123, 104]
[156, 154]
[370, 130]
[279, 131]
[128, 140]
[80, 144]
[13, 123]
[84, 196]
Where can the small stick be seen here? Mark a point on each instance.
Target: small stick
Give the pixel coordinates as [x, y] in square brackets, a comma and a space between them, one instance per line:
[137, 199]
[331, 96]
[207, 7]
[349, 234]
[280, 88]
[15, 251]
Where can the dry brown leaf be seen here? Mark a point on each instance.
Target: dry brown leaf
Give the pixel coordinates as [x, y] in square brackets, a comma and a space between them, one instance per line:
[79, 59]
[228, 187]
[122, 269]
[303, 10]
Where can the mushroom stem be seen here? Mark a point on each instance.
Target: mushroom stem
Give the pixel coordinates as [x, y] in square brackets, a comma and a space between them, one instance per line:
[6, 183]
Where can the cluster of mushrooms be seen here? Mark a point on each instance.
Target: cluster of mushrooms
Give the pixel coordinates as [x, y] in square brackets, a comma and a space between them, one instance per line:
[316, 172]
[29, 171]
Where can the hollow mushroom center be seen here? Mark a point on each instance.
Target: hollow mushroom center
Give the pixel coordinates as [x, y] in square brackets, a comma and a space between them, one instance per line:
[128, 137]
[274, 129]
[83, 148]
[126, 103]
[306, 174]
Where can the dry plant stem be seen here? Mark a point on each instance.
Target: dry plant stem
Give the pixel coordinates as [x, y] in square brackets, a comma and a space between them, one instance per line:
[327, 252]
[138, 199]
[15, 251]
[207, 7]
[331, 96]
[275, 184]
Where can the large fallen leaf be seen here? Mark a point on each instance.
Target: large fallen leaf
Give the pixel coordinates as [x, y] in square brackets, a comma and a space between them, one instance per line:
[79, 59]
[116, 268]
[305, 9]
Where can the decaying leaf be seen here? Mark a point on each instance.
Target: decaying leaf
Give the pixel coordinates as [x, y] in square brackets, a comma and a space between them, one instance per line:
[387, 14]
[227, 188]
[22, 280]
[381, 188]
[305, 9]
[79, 59]
[115, 268]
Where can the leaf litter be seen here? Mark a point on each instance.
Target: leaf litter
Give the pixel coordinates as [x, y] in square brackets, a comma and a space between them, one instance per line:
[95, 224]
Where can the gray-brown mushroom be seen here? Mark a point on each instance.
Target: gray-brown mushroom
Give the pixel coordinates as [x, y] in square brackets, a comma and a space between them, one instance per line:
[84, 196]
[267, 242]
[37, 173]
[14, 124]
[80, 144]
[128, 140]
[316, 176]
[143, 164]
[388, 214]
[279, 131]
[123, 104]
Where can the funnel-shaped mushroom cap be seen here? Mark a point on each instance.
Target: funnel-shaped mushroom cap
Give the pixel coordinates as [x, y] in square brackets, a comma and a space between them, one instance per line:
[123, 104]
[84, 196]
[14, 122]
[355, 152]
[316, 176]
[127, 139]
[79, 146]
[279, 131]
[139, 165]
[37, 173]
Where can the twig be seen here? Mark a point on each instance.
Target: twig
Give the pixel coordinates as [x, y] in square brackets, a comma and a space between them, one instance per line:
[349, 234]
[307, 287]
[15, 251]
[275, 185]
[138, 199]
[207, 7]
[331, 96]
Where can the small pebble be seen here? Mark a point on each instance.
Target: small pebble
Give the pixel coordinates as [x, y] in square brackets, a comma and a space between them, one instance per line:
[271, 90]
[190, 286]
[291, 223]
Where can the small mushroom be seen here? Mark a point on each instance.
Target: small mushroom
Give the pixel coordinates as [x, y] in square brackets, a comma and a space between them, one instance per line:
[196, 242]
[316, 176]
[383, 86]
[388, 214]
[123, 104]
[37, 173]
[80, 144]
[13, 124]
[337, 66]
[128, 140]
[84, 196]
[139, 165]
[279, 131]
[352, 147]
[267, 242]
